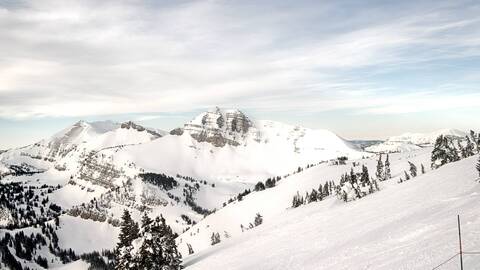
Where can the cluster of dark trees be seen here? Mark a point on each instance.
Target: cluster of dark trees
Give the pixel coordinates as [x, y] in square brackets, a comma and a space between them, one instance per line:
[159, 179]
[104, 260]
[27, 205]
[22, 169]
[478, 166]
[315, 195]
[270, 183]
[188, 193]
[156, 239]
[25, 247]
[354, 186]
[449, 149]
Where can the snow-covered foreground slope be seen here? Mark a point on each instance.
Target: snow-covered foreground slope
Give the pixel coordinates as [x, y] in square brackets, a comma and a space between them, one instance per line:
[404, 226]
[276, 201]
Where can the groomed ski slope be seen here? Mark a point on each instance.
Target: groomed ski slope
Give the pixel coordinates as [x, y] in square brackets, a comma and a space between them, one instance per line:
[404, 226]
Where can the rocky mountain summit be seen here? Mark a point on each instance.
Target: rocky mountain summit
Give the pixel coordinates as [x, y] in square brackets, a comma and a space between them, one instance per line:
[219, 127]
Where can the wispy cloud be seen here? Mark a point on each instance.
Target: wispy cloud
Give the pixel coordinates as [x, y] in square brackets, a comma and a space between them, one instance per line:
[79, 58]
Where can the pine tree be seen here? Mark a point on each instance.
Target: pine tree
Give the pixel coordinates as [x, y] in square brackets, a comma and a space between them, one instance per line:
[461, 149]
[128, 230]
[413, 169]
[146, 221]
[320, 193]
[469, 148]
[380, 174]
[478, 166]
[365, 178]
[164, 236]
[297, 200]
[190, 249]
[313, 196]
[452, 152]
[215, 238]
[326, 189]
[123, 253]
[258, 220]
[145, 258]
[422, 168]
[407, 177]
[388, 173]
[439, 153]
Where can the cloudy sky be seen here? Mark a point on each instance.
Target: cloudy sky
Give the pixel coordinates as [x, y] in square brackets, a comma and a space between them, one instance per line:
[362, 70]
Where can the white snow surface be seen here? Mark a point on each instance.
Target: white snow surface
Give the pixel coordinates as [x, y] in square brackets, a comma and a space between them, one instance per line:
[404, 226]
[85, 236]
[275, 201]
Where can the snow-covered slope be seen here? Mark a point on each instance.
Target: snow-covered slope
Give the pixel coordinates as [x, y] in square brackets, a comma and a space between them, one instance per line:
[404, 226]
[275, 201]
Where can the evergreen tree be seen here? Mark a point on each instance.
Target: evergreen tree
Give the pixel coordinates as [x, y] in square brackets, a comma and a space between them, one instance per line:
[313, 196]
[320, 192]
[413, 169]
[407, 177]
[297, 200]
[452, 152]
[422, 168]
[380, 174]
[163, 235]
[469, 148]
[215, 238]
[461, 149]
[123, 253]
[146, 221]
[128, 230]
[259, 186]
[478, 166]
[365, 178]
[258, 220]
[444, 152]
[190, 249]
[388, 173]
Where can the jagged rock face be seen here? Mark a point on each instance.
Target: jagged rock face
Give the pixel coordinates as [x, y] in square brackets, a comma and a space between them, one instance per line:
[132, 125]
[218, 127]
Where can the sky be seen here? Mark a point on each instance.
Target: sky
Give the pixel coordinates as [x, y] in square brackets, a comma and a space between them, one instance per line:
[363, 69]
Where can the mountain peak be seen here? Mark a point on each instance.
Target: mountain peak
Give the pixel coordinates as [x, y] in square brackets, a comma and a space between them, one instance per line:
[219, 127]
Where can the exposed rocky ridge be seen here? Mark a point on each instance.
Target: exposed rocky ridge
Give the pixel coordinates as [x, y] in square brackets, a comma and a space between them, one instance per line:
[218, 127]
[132, 125]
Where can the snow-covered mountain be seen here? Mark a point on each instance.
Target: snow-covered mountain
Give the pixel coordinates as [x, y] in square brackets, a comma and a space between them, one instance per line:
[95, 170]
[413, 141]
